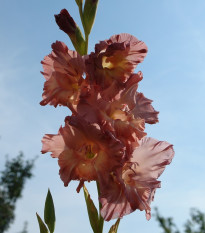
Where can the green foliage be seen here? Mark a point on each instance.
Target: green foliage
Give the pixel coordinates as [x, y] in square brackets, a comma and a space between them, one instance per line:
[114, 227]
[89, 14]
[12, 181]
[49, 215]
[6, 213]
[42, 226]
[49, 212]
[194, 225]
[78, 41]
[79, 2]
[13, 177]
[92, 211]
[197, 222]
[166, 224]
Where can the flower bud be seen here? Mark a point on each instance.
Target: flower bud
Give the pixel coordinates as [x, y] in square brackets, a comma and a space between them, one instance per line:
[67, 24]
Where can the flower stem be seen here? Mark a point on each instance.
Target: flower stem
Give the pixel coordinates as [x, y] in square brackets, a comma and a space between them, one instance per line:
[80, 7]
[86, 43]
[101, 220]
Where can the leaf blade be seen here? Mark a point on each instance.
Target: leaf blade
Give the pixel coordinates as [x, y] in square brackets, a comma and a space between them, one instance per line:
[114, 227]
[49, 212]
[42, 226]
[92, 211]
[89, 13]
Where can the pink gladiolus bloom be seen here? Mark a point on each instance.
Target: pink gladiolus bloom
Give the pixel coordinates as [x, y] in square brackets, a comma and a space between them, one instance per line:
[114, 115]
[84, 152]
[63, 71]
[115, 59]
[125, 115]
[134, 185]
[104, 139]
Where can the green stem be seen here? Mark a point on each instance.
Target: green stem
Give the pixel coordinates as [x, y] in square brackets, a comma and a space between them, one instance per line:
[101, 220]
[86, 44]
[80, 7]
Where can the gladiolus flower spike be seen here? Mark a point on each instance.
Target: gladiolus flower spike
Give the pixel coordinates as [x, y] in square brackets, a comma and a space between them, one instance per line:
[104, 138]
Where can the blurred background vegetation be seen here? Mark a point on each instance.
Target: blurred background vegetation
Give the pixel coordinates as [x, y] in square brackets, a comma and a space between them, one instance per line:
[195, 224]
[12, 181]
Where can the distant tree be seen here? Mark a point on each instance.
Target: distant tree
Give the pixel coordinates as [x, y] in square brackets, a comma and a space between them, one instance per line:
[167, 224]
[196, 224]
[12, 181]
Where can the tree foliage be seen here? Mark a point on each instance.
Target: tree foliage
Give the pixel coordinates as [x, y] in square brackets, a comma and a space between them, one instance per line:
[12, 181]
[167, 224]
[196, 223]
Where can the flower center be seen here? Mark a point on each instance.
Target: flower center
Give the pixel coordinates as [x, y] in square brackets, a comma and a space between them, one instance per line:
[106, 63]
[118, 114]
[75, 86]
[127, 174]
[90, 152]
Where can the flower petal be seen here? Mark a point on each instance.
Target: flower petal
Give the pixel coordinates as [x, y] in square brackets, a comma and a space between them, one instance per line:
[114, 115]
[150, 159]
[63, 71]
[128, 94]
[114, 201]
[144, 109]
[114, 60]
[130, 131]
[84, 152]
[54, 144]
[133, 186]
[140, 174]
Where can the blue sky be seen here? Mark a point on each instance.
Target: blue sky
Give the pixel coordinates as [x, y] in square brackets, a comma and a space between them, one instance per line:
[174, 77]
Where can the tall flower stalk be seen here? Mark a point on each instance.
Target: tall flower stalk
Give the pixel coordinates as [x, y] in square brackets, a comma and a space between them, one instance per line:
[104, 140]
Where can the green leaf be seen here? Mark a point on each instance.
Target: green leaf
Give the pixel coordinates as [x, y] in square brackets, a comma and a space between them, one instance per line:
[92, 211]
[89, 13]
[42, 226]
[49, 212]
[114, 227]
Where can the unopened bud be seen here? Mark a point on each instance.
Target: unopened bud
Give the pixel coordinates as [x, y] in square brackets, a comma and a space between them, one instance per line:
[67, 24]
